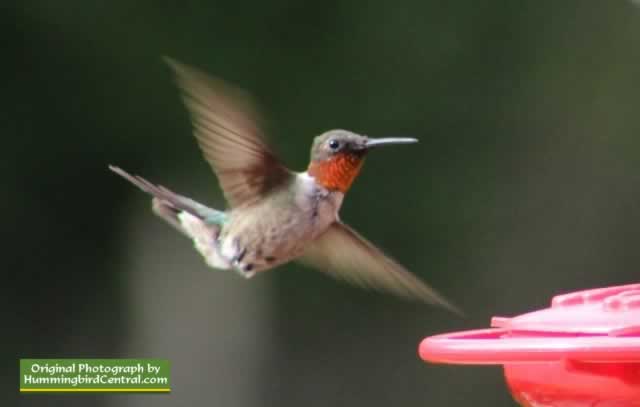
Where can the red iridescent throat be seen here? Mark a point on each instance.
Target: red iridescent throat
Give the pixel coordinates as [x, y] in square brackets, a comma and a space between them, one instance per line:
[336, 173]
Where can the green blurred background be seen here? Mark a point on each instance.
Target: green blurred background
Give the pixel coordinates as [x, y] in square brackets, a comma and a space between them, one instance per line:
[525, 184]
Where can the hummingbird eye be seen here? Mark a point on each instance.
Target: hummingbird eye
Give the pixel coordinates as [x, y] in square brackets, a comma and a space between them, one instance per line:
[334, 144]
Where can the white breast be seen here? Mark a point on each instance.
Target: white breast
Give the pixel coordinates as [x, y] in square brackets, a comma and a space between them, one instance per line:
[322, 204]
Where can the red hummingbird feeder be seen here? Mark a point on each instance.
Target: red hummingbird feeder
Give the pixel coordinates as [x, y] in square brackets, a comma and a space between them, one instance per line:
[582, 351]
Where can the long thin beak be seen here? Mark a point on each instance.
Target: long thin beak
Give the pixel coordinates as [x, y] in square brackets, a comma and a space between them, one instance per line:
[375, 142]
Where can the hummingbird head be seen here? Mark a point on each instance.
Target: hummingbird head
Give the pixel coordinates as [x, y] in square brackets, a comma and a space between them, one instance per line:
[337, 157]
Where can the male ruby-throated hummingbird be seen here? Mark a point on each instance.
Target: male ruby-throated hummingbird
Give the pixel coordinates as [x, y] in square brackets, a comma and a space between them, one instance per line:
[275, 215]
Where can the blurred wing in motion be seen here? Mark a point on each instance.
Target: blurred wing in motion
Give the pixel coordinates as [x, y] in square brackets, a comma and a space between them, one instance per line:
[346, 255]
[227, 129]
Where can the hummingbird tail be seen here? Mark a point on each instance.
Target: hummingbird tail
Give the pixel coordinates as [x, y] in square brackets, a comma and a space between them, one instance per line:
[196, 221]
[204, 235]
[169, 214]
[168, 205]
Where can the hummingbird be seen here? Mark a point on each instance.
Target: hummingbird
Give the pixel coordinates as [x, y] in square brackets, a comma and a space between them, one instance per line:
[275, 215]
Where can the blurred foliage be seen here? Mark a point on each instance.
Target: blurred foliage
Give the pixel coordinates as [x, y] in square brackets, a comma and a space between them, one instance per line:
[525, 182]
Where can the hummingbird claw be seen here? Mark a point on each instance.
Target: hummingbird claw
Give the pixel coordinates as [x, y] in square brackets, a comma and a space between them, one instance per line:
[240, 256]
[246, 271]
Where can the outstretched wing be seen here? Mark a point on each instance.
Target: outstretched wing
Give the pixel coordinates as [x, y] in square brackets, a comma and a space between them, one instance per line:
[227, 128]
[343, 253]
